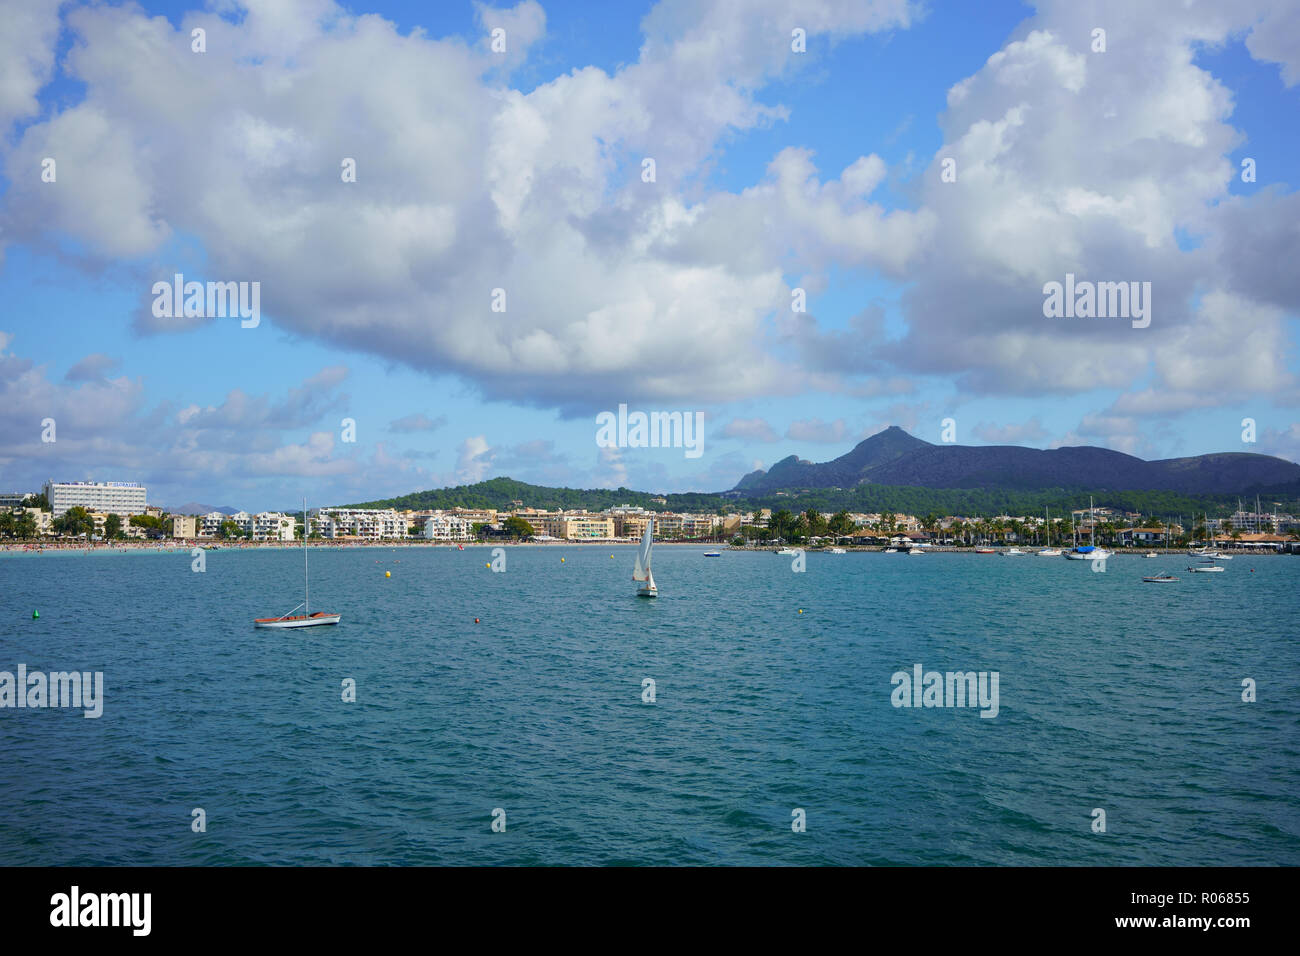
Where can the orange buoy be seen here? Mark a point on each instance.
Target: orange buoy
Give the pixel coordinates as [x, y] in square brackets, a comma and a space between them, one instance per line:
[475, 620]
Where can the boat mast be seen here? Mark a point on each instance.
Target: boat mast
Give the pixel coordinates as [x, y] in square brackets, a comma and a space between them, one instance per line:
[306, 590]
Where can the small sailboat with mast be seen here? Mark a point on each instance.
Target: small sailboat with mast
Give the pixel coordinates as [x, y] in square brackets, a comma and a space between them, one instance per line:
[306, 618]
[1048, 551]
[641, 572]
[1089, 551]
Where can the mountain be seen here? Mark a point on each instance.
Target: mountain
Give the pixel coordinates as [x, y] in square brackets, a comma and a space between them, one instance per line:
[194, 508]
[893, 457]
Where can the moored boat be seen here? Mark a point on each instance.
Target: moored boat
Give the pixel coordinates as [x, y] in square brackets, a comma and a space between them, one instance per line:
[306, 618]
[1160, 579]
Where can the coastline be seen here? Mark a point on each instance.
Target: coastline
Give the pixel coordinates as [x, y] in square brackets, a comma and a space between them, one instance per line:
[186, 547]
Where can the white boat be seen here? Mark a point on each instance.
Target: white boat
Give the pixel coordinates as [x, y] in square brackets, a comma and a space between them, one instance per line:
[713, 554]
[1013, 553]
[306, 618]
[641, 572]
[1152, 554]
[1207, 569]
[787, 553]
[1050, 553]
[915, 551]
[891, 551]
[1089, 552]
[837, 551]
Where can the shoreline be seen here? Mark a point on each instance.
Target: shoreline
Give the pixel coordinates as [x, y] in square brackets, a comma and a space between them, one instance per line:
[186, 547]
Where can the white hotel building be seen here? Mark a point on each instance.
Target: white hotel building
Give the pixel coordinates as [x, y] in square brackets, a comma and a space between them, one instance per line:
[108, 497]
[263, 526]
[448, 527]
[367, 523]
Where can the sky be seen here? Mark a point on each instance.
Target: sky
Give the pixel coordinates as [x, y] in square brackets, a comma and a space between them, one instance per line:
[915, 173]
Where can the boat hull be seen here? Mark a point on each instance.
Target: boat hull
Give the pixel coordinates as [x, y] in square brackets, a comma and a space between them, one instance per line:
[314, 620]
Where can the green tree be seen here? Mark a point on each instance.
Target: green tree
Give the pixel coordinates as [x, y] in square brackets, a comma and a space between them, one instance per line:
[74, 523]
[782, 523]
[113, 527]
[517, 527]
[230, 530]
[841, 524]
[25, 526]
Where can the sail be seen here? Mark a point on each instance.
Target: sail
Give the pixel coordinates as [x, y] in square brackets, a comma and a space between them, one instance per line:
[642, 570]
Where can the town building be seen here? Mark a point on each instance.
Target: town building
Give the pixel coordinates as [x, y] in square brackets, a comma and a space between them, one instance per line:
[184, 526]
[367, 523]
[440, 526]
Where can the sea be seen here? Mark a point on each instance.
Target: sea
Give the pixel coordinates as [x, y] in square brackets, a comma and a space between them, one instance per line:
[542, 714]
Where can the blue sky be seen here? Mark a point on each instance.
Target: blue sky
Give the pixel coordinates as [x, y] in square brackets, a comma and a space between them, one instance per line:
[775, 170]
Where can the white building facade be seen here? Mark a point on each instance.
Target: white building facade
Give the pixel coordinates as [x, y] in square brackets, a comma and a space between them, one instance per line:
[108, 497]
[368, 523]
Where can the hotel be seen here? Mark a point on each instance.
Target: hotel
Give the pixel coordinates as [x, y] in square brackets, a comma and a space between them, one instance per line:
[110, 497]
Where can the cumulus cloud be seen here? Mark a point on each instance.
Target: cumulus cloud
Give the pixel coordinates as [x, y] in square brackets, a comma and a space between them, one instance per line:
[1024, 433]
[750, 429]
[816, 430]
[464, 186]
[92, 368]
[416, 422]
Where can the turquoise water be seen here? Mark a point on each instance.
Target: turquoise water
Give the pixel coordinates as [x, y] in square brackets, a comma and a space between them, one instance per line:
[1114, 694]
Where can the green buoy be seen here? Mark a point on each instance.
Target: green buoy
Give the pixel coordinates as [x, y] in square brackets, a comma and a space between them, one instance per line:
[35, 615]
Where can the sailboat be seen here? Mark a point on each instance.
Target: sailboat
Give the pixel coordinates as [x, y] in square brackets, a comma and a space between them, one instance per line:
[306, 618]
[1049, 551]
[641, 572]
[1089, 552]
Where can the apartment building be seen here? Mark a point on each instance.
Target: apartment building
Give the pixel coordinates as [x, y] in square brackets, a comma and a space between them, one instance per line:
[368, 523]
[440, 526]
[583, 526]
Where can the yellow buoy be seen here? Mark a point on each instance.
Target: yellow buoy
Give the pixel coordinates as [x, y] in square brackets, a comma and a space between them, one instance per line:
[561, 560]
[388, 574]
[488, 565]
[800, 610]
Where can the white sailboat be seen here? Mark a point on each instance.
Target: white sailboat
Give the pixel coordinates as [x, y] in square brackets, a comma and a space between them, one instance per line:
[1048, 551]
[306, 618]
[1089, 552]
[641, 572]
